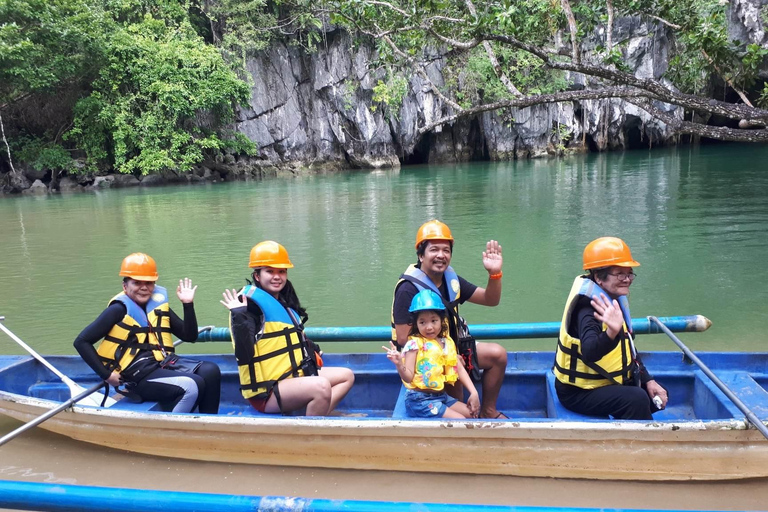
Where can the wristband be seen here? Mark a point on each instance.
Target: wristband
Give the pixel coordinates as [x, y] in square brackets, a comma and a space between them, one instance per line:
[496, 276]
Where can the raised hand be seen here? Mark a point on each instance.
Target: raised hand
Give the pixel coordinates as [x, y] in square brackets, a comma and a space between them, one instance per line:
[609, 312]
[232, 300]
[393, 354]
[492, 257]
[185, 291]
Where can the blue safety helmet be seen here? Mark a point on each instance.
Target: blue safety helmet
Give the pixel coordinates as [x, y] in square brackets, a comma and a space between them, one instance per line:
[426, 300]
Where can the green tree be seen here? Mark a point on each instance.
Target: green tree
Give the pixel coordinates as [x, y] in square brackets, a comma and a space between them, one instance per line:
[149, 93]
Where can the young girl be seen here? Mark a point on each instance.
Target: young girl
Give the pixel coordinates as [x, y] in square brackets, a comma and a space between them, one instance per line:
[429, 362]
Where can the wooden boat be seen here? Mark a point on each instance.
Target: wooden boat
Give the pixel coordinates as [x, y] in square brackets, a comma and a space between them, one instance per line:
[701, 435]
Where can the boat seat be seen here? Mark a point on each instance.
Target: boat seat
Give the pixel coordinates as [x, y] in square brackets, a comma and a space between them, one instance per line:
[555, 409]
[399, 412]
[746, 389]
[126, 405]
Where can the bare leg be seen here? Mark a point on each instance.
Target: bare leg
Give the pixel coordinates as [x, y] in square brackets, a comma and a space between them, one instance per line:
[457, 410]
[341, 380]
[492, 358]
[312, 392]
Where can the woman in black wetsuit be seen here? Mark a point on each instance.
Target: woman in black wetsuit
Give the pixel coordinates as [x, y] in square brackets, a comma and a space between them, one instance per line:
[136, 333]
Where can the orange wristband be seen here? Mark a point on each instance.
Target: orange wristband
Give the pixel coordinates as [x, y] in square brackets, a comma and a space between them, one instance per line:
[496, 276]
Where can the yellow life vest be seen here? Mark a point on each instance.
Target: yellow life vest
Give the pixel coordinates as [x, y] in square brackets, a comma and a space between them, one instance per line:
[147, 328]
[279, 349]
[616, 367]
[435, 365]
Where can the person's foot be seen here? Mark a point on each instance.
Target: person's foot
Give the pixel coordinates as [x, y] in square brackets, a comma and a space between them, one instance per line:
[494, 415]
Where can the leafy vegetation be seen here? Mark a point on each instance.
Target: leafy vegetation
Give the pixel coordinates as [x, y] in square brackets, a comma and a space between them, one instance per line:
[149, 93]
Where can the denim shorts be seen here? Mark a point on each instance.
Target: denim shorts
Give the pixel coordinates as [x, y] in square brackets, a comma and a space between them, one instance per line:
[427, 405]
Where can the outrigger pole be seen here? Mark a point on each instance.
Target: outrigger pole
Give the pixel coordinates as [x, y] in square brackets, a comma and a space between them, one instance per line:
[693, 323]
[66, 498]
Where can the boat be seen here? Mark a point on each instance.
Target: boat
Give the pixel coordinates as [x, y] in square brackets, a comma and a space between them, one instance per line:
[702, 435]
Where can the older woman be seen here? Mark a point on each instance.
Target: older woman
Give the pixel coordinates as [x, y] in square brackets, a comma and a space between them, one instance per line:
[280, 370]
[136, 346]
[598, 370]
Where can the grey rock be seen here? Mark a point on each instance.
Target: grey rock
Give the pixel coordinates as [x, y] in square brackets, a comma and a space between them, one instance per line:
[125, 180]
[17, 182]
[103, 182]
[747, 20]
[37, 188]
[33, 174]
[153, 179]
[316, 111]
[68, 184]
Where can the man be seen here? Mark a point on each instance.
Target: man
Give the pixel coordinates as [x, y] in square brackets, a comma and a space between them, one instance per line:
[434, 247]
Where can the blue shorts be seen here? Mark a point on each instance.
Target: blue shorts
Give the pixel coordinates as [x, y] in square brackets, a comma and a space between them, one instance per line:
[427, 405]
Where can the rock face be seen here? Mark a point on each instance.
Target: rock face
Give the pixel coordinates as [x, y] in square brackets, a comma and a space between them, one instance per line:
[746, 21]
[316, 111]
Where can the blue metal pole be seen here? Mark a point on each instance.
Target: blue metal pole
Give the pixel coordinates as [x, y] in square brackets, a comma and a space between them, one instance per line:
[693, 323]
[71, 498]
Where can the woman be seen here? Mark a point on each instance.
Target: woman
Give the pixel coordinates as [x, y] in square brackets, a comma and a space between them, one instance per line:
[137, 347]
[280, 370]
[597, 367]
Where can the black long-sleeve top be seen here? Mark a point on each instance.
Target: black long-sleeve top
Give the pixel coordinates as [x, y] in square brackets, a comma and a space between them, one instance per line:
[246, 322]
[183, 329]
[595, 343]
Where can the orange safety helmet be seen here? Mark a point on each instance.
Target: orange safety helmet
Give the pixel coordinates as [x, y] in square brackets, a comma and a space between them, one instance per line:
[433, 230]
[269, 254]
[139, 266]
[608, 251]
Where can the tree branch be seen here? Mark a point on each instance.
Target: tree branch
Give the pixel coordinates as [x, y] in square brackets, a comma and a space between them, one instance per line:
[726, 80]
[609, 27]
[712, 132]
[492, 58]
[573, 29]
[423, 74]
[656, 88]
[539, 99]
[7, 147]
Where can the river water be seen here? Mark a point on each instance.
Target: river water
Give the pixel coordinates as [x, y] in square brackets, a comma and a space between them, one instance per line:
[695, 218]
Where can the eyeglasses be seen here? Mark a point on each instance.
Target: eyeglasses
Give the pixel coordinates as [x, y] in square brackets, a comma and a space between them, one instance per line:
[624, 277]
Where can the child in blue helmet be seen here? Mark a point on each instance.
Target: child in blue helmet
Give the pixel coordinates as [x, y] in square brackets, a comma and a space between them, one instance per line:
[429, 361]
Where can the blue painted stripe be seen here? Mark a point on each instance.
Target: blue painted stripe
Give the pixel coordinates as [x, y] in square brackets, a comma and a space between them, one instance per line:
[70, 498]
[482, 331]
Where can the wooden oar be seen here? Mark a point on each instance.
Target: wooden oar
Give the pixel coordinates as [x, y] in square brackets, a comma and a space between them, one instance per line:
[751, 416]
[53, 412]
[74, 388]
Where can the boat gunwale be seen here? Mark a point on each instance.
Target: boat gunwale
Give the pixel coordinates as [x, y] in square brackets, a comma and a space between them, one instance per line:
[360, 425]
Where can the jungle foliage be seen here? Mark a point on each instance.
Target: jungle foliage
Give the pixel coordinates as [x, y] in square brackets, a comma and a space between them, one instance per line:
[127, 84]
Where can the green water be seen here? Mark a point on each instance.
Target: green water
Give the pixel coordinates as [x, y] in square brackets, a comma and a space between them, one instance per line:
[696, 219]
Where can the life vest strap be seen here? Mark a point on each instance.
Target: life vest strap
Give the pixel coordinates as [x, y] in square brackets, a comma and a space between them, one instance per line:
[601, 372]
[277, 334]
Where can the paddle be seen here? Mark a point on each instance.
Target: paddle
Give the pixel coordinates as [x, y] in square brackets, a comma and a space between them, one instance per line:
[720, 384]
[74, 388]
[53, 412]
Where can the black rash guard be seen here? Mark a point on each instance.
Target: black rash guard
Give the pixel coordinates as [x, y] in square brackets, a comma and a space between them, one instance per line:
[183, 329]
